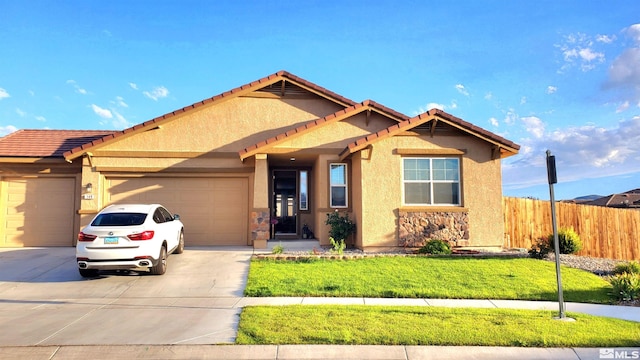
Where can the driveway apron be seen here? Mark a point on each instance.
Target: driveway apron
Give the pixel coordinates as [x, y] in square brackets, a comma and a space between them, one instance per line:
[44, 300]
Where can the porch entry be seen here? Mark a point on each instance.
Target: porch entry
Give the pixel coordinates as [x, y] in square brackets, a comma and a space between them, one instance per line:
[285, 192]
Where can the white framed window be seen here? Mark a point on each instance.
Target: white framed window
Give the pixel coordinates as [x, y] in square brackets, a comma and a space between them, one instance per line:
[338, 185]
[430, 181]
[304, 190]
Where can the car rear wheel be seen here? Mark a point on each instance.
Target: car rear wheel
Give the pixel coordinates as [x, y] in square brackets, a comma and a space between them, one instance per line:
[88, 272]
[180, 247]
[161, 267]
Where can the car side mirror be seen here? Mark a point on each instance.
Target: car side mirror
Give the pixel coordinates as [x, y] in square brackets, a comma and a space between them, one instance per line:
[176, 217]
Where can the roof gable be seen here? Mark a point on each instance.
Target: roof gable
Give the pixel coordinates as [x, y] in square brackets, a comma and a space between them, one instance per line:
[278, 84]
[365, 106]
[505, 147]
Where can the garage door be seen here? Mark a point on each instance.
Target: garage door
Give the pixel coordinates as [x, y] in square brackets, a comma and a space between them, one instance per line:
[213, 210]
[38, 212]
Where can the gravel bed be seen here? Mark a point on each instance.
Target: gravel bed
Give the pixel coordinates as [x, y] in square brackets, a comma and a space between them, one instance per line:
[598, 266]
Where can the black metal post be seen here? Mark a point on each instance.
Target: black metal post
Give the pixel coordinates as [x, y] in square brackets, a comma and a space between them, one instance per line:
[551, 173]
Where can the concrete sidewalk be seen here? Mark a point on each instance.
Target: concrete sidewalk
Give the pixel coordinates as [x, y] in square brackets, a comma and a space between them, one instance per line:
[301, 352]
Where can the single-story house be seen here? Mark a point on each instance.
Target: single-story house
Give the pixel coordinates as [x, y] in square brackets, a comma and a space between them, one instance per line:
[262, 161]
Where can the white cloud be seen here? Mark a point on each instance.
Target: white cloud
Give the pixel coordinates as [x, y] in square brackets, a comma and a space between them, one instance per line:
[523, 100]
[624, 106]
[494, 122]
[534, 126]
[551, 89]
[581, 152]
[488, 96]
[41, 118]
[462, 90]
[605, 38]
[633, 32]
[134, 86]
[20, 112]
[103, 113]
[4, 94]
[624, 72]
[120, 122]
[510, 117]
[158, 92]
[119, 101]
[579, 50]
[75, 85]
[6, 130]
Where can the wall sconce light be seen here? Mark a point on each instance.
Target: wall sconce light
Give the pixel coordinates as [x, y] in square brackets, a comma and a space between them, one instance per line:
[89, 188]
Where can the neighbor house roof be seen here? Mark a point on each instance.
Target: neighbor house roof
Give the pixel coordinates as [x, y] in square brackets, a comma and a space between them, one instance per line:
[505, 147]
[46, 143]
[629, 199]
[367, 105]
[281, 76]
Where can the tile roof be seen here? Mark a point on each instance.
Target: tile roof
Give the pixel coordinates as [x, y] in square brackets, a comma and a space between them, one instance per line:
[629, 199]
[46, 143]
[433, 114]
[150, 124]
[314, 124]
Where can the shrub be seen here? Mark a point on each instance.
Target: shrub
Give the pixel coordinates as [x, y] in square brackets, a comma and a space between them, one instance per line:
[626, 286]
[630, 267]
[568, 241]
[341, 226]
[435, 247]
[278, 249]
[540, 250]
[337, 246]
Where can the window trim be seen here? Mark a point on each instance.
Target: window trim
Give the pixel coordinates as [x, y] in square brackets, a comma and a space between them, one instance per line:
[303, 187]
[431, 181]
[345, 186]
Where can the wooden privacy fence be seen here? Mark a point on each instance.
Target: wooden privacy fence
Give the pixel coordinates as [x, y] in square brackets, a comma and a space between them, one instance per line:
[605, 232]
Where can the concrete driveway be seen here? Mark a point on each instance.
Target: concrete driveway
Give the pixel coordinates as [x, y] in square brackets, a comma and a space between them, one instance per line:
[44, 301]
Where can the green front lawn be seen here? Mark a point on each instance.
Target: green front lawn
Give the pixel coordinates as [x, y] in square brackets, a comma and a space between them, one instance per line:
[424, 277]
[359, 325]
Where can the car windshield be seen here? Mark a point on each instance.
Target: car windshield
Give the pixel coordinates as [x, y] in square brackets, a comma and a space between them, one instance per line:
[119, 219]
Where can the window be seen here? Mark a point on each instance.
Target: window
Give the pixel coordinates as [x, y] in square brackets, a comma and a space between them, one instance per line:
[338, 180]
[304, 190]
[431, 181]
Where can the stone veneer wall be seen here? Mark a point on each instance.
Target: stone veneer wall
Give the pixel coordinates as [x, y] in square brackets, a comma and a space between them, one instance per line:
[416, 228]
[260, 225]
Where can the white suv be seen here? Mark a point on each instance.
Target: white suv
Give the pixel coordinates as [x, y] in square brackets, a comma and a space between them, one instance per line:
[129, 237]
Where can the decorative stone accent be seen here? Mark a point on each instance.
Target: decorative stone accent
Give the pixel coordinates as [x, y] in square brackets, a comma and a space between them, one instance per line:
[416, 228]
[260, 226]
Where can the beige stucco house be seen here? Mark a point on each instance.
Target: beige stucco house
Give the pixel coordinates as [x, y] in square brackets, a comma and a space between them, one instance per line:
[262, 161]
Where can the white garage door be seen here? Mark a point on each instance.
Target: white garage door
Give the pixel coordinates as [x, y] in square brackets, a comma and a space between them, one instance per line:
[37, 212]
[213, 210]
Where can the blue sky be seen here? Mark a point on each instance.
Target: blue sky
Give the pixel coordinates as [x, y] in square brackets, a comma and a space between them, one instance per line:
[557, 75]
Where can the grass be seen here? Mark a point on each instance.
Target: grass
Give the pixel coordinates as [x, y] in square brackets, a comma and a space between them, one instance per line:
[368, 325]
[424, 277]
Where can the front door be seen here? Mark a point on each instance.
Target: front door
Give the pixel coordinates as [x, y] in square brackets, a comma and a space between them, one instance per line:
[284, 202]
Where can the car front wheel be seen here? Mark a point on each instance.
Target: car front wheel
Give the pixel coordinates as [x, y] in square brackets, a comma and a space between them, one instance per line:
[161, 267]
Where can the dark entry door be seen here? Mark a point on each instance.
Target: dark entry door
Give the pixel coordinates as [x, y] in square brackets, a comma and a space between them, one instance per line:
[284, 202]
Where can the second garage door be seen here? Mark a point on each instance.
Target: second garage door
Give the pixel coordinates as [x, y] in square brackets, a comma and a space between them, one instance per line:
[213, 210]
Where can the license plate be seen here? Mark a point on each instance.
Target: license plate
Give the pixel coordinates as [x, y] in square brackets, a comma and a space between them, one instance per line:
[111, 240]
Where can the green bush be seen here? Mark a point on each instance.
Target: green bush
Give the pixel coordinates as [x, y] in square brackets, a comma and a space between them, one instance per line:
[630, 267]
[626, 286]
[568, 241]
[341, 226]
[337, 246]
[540, 249]
[435, 247]
[278, 249]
